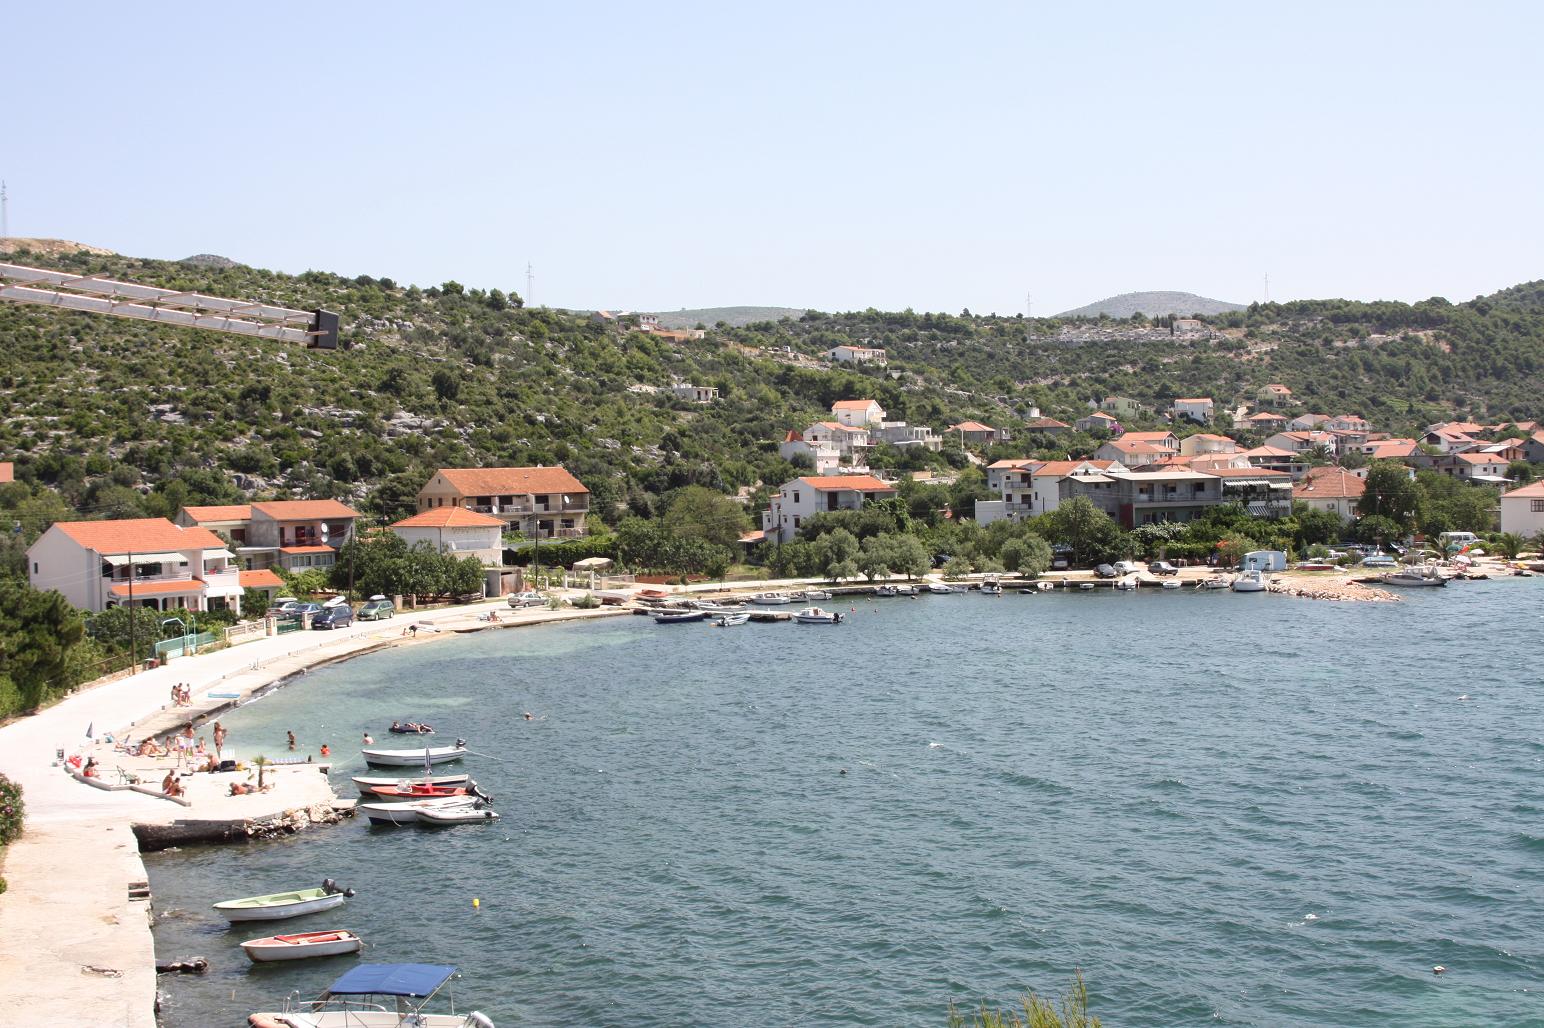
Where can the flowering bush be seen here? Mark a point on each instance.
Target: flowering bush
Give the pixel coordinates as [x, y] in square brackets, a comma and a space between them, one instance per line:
[11, 810]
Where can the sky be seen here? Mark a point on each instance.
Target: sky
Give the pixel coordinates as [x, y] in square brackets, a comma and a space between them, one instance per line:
[828, 155]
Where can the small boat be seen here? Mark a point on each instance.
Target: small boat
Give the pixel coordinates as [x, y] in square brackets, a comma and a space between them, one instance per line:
[886, 590]
[811, 595]
[410, 728]
[407, 792]
[1045, 587]
[771, 599]
[678, 617]
[1127, 583]
[1215, 582]
[1414, 577]
[302, 946]
[409, 758]
[652, 597]
[730, 620]
[906, 590]
[940, 587]
[1087, 587]
[711, 607]
[368, 785]
[817, 616]
[280, 905]
[374, 996]
[1250, 581]
[992, 587]
[456, 814]
[407, 813]
[1170, 583]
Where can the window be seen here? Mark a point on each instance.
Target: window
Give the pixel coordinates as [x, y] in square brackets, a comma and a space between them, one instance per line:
[796, 496]
[1537, 506]
[110, 571]
[796, 521]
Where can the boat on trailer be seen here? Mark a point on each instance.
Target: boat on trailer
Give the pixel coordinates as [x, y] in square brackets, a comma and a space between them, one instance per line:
[302, 946]
[407, 758]
[277, 906]
[375, 996]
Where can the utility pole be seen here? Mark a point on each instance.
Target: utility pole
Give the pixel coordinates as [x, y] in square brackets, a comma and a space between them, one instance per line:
[133, 642]
[5, 213]
[530, 277]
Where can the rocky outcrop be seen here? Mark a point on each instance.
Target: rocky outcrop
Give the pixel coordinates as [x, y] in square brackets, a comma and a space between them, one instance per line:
[154, 837]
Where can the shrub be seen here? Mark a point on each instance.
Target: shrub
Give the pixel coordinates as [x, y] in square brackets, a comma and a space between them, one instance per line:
[12, 810]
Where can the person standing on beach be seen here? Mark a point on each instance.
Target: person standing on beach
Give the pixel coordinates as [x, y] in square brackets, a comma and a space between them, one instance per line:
[219, 739]
[291, 739]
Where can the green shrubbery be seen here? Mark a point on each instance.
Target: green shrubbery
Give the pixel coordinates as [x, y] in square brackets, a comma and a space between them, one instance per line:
[12, 813]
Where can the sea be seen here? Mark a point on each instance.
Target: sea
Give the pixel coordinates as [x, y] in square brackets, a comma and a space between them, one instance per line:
[1218, 808]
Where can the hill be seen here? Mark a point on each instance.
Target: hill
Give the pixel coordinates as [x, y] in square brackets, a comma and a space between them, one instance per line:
[734, 317]
[48, 247]
[1153, 305]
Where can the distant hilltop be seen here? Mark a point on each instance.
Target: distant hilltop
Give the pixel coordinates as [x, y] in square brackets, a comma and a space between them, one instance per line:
[49, 247]
[734, 317]
[1154, 305]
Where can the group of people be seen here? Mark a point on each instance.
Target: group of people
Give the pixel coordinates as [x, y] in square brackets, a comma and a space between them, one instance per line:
[407, 728]
[182, 694]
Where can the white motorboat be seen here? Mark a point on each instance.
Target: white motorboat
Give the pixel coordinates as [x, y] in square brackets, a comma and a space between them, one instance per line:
[1250, 581]
[1426, 577]
[730, 620]
[452, 814]
[906, 590]
[811, 595]
[992, 587]
[817, 616]
[714, 607]
[407, 813]
[886, 590]
[940, 587]
[367, 785]
[1215, 582]
[1171, 583]
[771, 599]
[280, 905]
[410, 758]
[302, 946]
[375, 996]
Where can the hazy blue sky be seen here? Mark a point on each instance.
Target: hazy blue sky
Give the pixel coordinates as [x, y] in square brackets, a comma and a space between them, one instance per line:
[936, 156]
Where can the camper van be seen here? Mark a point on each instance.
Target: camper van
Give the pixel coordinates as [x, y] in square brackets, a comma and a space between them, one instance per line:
[1452, 542]
[1264, 560]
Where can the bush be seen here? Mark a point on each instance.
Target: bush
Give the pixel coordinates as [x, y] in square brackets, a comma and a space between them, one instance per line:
[586, 602]
[12, 810]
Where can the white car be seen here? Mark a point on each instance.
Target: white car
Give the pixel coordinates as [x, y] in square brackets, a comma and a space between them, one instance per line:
[1127, 567]
[527, 599]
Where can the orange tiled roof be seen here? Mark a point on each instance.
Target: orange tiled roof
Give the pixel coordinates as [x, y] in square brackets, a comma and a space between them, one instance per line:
[7, 471]
[306, 549]
[186, 585]
[1329, 484]
[449, 517]
[297, 510]
[1265, 415]
[230, 512]
[860, 483]
[264, 579]
[971, 426]
[851, 404]
[512, 481]
[142, 535]
[1536, 489]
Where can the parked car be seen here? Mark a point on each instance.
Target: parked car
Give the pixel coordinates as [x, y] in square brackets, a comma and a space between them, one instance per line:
[529, 598]
[1127, 567]
[307, 608]
[376, 608]
[340, 616]
[1105, 571]
[1060, 564]
[284, 607]
[1162, 567]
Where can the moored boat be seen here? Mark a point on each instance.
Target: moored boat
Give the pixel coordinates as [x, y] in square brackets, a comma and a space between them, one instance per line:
[771, 599]
[1171, 583]
[992, 587]
[678, 617]
[817, 616]
[367, 784]
[1214, 582]
[406, 813]
[811, 595]
[730, 620]
[714, 607]
[456, 814]
[374, 996]
[410, 758]
[886, 590]
[1250, 581]
[302, 946]
[940, 587]
[1414, 577]
[906, 590]
[407, 792]
[280, 905]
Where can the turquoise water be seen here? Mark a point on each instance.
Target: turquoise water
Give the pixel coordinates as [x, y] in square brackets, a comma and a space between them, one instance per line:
[1229, 809]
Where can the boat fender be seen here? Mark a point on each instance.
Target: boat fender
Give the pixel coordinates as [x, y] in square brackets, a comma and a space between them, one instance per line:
[478, 1020]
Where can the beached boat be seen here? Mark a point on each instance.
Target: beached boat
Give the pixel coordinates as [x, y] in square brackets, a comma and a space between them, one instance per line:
[817, 616]
[456, 814]
[374, 996]
[730, 620]
[1250, 581]
[811, 595]
[940, 587]
[1087, 587]
[367, 784]
[1414, 578]
[409, 758]
[771, 599]
[302, 946]
[407, 813]
[886, 590]
[678, 617]
[279, 905]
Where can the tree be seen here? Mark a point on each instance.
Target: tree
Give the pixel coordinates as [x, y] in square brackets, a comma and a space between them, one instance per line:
[1028, 555]
[1232, 547]
[1389, 493]
[1092, 534]
[908, 556]
[1316, 526]
[447, 384]
[40, 639]
[1378, 529]
[1521, 472]
[1509, 544]
[834, 548]
[697, 512]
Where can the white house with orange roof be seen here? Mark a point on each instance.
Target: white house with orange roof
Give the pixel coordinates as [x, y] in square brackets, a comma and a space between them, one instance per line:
[230, 520]
[458, 532]
[1331, 489]
[1206, 442]
[1473, 466]
[974, 433]
[144, 562]
[1308, 422]
[1274, 394]
[849, 441]
[1302, 442]
[1522, 510]
[823, 457]
[858, 413]
[297, 535]
[1133, 453]
[845, 354]
[1196, 408]
[1164, 440]
[802, 498]
[539, 502]
[1448, 439]
[1035, 487]
[1389, 449]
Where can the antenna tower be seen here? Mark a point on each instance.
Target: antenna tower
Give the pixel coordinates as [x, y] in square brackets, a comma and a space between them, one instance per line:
[1029, 306]
[530, 276]
[1267, 287]
[5, 213]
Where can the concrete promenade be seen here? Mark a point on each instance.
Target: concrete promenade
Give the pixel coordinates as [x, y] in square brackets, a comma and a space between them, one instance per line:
[74, 948]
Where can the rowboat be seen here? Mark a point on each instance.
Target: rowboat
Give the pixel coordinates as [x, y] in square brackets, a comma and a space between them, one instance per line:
[368, 785]
[280, 905]
[712, 607]
[374, 996]
[404, 813]
[771, 599]
[730, 620]
[302, 946]
[817, 616]
[678, 617]
[454, 814]
[408, 758]
[1417, 577]
[418, 791]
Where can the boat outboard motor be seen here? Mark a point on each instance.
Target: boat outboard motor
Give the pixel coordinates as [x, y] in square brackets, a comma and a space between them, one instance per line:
[349, 894]
[329, 886]
[478, 1020]
[460, 743]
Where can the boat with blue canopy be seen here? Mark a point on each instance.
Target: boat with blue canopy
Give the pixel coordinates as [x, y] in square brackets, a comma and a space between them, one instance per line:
[375, 996]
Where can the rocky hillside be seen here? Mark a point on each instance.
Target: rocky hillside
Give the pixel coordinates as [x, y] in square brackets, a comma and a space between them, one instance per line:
[734, 317]
[1153, 305]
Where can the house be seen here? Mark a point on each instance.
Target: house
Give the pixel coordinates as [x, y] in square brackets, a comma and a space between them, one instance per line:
[1389, 449]
[1197, 408]
[146, 562]
[460, 533]
[1206, 442]
[1046, 426]
[823, 457]
[1533, 448]
[1162, 440]
[264, 581]
[1349, 423]
[1274, 395]
[677, 335]
[1468, 428]
[297, 535]
[1190, 327]
[1522, 510]
[1264, 420]
[1448, 439]
[1039, 489]
[1276, 459]
[533, 503]
[1262, 492]
[1098, 421]
[1307, 422]
[695, 394]
[1507, 449]
[231, 520]
[857, 355]
[1133, 453]
[997, 469]
[974, 433]
[1331, 489]
[898, 433]
[858, 413]
[1120, 406]
[1302, 442]
[850, 443]
[7, 472]
[803, 498]
[1142, 498]
[1473, 466]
